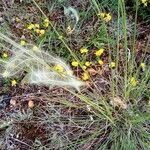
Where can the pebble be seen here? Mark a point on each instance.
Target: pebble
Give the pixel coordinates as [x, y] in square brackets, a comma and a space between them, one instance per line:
[4, 100]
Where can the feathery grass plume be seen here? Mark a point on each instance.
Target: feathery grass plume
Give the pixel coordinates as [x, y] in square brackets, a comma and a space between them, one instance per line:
[39, 66]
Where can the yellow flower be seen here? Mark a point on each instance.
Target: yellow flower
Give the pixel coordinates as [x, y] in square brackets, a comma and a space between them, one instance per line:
[133, 81]
[35, 48]
[87, 63]
[46, 22]
[22, 42]
[17, 19]
[112, 65]
[42, 32]
[142, 65]
[5, 55]
[37, 30]
[108, 17]
[58, 68]
[13, 82]
[84, 67]
[83, 50]
[105, 17]
[102, 15]
[30, 26]
[85, 76]
[36, 25]
[100, 62]
[99, 52]
[145, 4]
[74, 63]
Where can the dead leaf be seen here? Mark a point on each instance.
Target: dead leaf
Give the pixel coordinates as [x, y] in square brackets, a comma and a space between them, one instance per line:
[31, 104]
[118, 102]
[92, 71]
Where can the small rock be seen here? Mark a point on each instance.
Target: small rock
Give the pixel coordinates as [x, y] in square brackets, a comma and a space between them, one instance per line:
[118, 102]
[4, 100]
[13, 102]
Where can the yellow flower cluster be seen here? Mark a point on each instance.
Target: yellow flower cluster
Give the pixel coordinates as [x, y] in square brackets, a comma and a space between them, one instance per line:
[106, 17]
[133, 81]
[4, 55]
[30, 26]
[142, 65]
[85, 64]
[88, 63]
[144, 2]
[83, 50]
[85, 76]
[36, 27]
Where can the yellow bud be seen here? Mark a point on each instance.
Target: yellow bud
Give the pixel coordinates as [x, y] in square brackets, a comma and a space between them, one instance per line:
[5, 55]
[133, 81]
[17, 19]
[112, 65]
[102, 15]
[108, 17]
[142, 65]
[87, 63]
[42, 32]
[22, 42]
[83, 50]
[100, 62]
[75, 63]
[99, 52]
[13, 83]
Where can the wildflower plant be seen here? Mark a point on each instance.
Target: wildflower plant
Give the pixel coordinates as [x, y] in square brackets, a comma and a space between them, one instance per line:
[41, 67]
